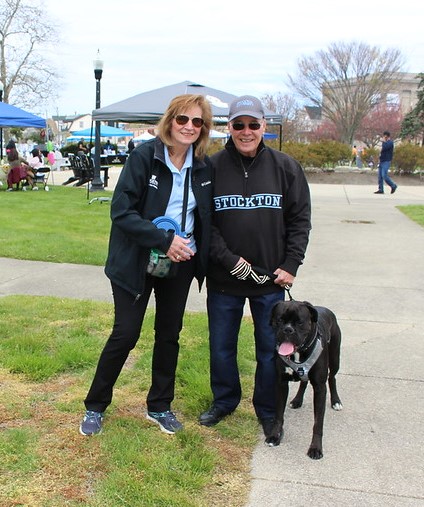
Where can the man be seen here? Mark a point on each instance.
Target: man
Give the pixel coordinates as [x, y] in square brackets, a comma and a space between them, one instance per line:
[260, 233]
[386, 156]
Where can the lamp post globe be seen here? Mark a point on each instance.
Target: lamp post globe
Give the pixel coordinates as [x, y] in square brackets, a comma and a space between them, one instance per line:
[97, 183]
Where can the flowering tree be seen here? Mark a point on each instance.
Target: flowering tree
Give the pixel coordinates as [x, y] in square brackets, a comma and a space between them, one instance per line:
[382, 117]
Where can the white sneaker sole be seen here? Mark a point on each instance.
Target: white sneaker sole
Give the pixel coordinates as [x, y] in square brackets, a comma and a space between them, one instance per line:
[162, 428]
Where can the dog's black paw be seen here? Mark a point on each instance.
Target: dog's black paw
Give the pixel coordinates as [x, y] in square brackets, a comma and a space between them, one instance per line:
[315, 453]
[273, 440]
[296, 403]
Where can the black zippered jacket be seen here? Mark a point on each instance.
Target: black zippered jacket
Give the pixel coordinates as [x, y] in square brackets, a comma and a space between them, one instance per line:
[262, 213]
[142, 194]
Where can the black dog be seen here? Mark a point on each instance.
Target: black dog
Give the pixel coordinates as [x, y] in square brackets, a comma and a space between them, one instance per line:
[308, 342]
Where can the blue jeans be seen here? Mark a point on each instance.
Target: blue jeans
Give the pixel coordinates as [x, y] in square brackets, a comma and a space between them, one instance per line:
[225, 313]
[383, 176]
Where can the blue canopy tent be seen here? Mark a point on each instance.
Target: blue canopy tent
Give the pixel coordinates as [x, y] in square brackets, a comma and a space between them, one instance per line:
[11, 116]
[105, 131]
[75, 139]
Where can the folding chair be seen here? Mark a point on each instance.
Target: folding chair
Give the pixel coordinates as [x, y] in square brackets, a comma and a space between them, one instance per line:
[42, 176]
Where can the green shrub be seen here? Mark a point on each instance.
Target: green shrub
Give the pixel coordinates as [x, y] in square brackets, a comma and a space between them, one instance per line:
[319, 154]
[69, 148]
[407, 157]
[296, 150]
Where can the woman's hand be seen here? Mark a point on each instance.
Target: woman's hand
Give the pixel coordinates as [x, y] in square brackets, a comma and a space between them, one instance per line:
[179, 250]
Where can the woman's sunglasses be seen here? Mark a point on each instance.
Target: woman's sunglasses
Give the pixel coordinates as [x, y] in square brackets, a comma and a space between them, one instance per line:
[254, 125]
[182, 119]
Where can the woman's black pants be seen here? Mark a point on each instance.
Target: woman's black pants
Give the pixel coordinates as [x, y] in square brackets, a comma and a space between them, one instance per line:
[170, 299]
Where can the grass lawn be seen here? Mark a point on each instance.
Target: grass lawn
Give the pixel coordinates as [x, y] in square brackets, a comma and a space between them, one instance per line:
[48, 351]
[414, 212]
[54, 226]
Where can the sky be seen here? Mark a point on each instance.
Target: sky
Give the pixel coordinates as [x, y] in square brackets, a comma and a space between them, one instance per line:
[237, 47]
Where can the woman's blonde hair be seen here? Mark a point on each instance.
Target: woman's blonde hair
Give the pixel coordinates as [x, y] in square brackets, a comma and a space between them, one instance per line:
[179, 105]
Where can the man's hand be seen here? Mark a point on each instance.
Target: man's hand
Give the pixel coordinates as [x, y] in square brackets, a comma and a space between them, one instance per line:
[283, 278]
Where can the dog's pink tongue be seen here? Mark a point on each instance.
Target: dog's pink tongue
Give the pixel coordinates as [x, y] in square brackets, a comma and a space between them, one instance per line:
[286, 349]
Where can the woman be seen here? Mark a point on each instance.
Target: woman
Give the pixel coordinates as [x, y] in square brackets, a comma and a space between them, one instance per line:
[35, 160]
[18, 170]
[151, 185]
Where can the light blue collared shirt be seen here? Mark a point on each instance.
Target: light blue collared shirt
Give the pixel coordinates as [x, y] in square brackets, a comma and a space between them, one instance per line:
[175, 204]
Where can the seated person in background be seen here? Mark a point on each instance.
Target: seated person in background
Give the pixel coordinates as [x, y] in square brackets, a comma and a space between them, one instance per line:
[108, 147]
[18, 170]
[35, 159]
[82, 148]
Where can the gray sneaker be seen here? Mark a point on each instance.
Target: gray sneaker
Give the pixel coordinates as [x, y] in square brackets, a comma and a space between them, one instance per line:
[167, 421]
[92, 423]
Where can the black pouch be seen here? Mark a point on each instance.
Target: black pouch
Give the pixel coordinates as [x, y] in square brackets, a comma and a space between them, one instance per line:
[160, 265]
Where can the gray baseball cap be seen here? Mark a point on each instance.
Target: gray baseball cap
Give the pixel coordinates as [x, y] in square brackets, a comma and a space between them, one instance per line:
[246, 105]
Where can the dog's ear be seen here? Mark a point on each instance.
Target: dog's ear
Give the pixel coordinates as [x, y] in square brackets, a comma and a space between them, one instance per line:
[312, 310]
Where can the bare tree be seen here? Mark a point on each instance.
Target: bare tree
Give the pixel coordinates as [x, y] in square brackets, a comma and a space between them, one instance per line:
[346, 81]
[287, 106]
[25, 31]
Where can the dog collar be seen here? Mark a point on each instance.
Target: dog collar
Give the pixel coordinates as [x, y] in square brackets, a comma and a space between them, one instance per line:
[302, 369]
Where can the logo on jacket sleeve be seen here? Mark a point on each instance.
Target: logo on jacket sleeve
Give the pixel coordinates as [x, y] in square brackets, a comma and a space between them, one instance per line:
[153, 182]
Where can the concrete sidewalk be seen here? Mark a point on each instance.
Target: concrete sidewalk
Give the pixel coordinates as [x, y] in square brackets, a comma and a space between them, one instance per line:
[365, 262]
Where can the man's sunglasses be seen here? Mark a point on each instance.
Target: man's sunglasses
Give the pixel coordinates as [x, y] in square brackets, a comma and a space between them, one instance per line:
[182, 119]
[254, 125]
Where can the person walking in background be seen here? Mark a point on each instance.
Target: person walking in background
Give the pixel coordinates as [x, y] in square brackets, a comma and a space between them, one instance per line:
[260, 232]
[157, 178]
[131, 145]
[359, 157]
[386, 156]
[354, 150]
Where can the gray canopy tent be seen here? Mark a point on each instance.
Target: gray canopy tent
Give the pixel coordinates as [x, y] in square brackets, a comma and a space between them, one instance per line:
[148, 107]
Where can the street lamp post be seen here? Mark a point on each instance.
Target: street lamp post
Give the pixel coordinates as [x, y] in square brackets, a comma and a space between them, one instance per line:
[97, 183]
[1, 128]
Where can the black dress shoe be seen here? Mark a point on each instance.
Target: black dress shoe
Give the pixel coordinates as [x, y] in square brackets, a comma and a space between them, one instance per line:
[212, 416]
[393, 190]
[379, 192]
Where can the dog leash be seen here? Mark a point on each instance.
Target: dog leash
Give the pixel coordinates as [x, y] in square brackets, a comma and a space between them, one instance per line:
[287, 288]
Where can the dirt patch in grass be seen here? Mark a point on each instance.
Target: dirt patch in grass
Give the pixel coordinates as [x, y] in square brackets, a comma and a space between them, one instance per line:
[68, 465]
[61, 473]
